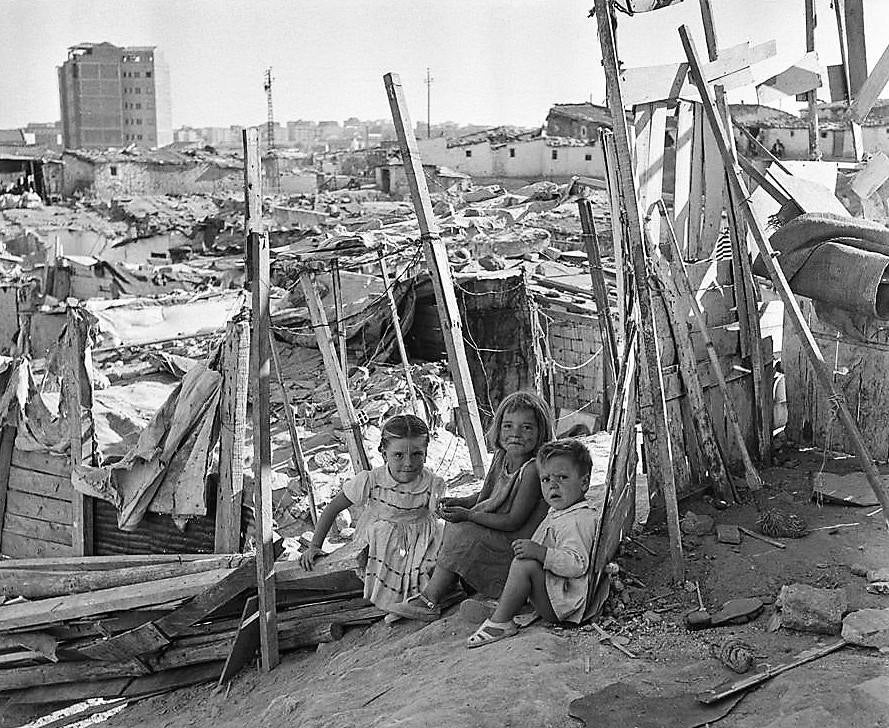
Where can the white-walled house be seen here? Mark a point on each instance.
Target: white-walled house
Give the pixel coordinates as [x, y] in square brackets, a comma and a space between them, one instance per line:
[504, 152]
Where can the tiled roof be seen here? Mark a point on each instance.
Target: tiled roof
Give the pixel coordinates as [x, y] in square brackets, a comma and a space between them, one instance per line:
[495, 135]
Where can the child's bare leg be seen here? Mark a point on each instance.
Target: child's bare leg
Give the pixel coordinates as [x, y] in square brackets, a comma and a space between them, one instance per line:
[440, 583]
[526, 579]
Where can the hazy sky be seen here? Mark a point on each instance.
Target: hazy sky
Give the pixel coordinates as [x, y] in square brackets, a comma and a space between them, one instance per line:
[492, 61]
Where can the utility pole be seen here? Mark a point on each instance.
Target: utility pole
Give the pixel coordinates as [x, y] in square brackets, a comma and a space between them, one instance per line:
[428, 83]
[811, 96]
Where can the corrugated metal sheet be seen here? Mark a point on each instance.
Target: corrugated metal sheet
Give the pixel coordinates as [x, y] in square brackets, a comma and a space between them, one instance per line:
[156, 534]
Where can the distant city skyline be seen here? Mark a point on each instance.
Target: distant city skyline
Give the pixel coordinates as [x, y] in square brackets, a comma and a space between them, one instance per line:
[498, 62]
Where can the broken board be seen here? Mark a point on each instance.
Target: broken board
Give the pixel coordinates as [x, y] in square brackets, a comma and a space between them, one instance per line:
[619, 705]
[847, 490]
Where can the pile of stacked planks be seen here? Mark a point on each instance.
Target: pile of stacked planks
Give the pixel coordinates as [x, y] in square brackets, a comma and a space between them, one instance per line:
[125, 626]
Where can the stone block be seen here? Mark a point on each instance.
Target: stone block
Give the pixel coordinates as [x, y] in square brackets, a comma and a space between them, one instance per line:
[727, 533]
[694, 525]
[808, 609]
[867, 627]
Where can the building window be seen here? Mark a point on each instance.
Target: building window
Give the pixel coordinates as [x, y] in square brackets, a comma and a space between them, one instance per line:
[113, 171]
[138, 106]
[139, 122]
[791, 132]
[512, 153]
[468, 153]
[824, 134]
[139, 137]
[588, 157]
[139, 91]
[555, 153]
[137, 74]
[583, 132]
[148, 74]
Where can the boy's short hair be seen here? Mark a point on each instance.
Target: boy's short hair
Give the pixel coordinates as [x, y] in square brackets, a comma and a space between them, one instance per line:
[570, 448]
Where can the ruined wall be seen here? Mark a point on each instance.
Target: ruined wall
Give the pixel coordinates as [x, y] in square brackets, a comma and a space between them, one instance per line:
[109, 179]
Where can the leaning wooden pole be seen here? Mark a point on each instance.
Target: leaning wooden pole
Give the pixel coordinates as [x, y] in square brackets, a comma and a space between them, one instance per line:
[600, 293]
[399, 336]
[440, 272]
[81, 505]
[823, 374]
[812, 96]
[662, 450]
[258, 245]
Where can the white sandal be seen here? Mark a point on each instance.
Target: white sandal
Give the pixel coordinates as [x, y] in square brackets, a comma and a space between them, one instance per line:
[490, 632]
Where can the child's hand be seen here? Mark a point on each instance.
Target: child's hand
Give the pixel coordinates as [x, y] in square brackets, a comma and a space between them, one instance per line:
[454, 514]
[308, 557]
[525, 548]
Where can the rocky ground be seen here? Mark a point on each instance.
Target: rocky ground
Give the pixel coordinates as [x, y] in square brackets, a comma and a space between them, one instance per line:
[416, 675]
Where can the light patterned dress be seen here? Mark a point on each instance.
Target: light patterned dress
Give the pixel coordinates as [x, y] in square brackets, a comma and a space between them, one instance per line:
[399, 527]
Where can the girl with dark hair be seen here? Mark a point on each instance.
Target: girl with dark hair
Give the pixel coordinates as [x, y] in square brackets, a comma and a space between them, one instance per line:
[398, 526]
[477, 543]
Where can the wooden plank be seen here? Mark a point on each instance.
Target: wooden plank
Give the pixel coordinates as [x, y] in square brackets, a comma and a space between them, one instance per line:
[41, 530]
[232, 433]
[79, 413]
[768, 256]
[75, 606]
[871, 89]
[258, 244]
[39, 507]
[245, 644]
[600, 292]
[617, 232]
[40, 583]
[42, 462]
[68, 672]
[714, 195]
[338, 330]
[682, 179]
[692, 248]
[650, 163]
[339, 384]
[440, 272]
[41, 484]
[141, 641]
[7, 446]
[24, 547]
[661, 453]
[102, 563]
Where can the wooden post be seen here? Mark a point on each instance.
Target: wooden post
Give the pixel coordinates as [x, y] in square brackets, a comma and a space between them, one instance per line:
[856, 47]
[617, 232]
[232, 431]
[7, 445]
[299, 461]
[812, 96]
[857, 143]
[662, 451]
[335, 375]
[399, 337]
[258, 245]
[680, 279]
[600, 293]
[823, 374]
[682, 186]
[440, 272]
[745, 295]
[81, 505]
[339, 324]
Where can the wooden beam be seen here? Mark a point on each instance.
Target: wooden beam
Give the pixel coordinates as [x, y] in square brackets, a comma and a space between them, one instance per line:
[856, 47]
[339, 324]
[299, 460]
[7, 445]
[662, 453]
[600, 293]
[81, 505]
[692, 249]
[335, 375]
[824, 375]
[845, 55]
[232, 432]
[399, 337]
[440, 272]
[258, 245]
[871, 89]
[617, 232]
[682, 184]
[812, 96]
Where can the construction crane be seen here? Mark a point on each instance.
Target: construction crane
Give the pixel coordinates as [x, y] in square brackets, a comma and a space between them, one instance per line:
[270, 133]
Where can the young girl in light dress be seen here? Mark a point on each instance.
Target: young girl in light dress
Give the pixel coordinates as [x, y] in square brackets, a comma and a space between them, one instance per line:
[398, 525]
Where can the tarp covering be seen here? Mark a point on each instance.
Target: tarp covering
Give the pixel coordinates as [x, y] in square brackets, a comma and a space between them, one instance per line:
[839, 261]
[166, 469]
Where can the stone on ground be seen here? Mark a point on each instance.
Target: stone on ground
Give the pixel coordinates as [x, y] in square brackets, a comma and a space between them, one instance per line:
[808, 609]
[867, 627]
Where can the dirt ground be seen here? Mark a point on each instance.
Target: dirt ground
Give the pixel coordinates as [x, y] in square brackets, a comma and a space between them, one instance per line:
[413, 675]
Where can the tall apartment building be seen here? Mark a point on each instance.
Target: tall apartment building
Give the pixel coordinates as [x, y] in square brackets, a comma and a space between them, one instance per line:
[112, 96]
